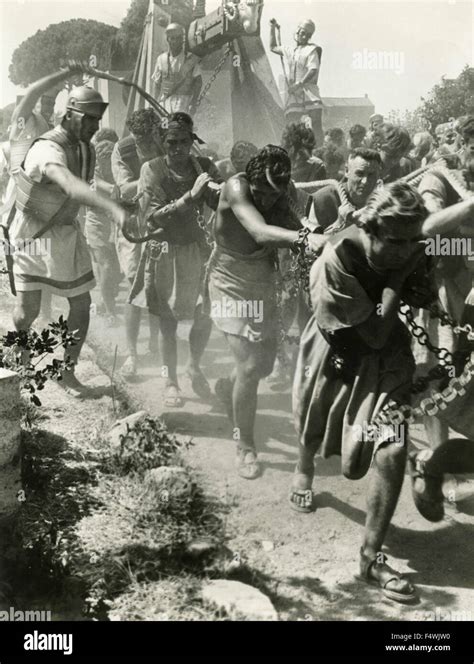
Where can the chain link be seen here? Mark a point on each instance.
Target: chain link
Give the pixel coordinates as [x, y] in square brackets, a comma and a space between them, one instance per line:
[214, 75]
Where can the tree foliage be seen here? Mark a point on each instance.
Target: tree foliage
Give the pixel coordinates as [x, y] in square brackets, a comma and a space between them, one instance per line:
[77, 39]
[450, 98]
[129, 35]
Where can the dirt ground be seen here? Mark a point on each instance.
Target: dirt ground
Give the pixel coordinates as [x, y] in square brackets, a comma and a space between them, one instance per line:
[309, 560]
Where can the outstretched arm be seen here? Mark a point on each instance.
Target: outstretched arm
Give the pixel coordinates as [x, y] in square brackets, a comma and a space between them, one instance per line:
[238, 196]
[34, 92]
[81, 192]
[274, 47]
[450, 219]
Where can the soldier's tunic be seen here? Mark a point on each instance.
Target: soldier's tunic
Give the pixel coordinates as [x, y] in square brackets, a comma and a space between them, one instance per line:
[299, 60]
[175, 76]
[60, 262]
[33, 128]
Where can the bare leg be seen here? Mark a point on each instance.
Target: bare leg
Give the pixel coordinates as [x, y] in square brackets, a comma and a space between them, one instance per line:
[78, 320]
[132, 328]
[27, 309]
[107, 273]
[154, 324]
[198, 338]
[133, 316]
[384, 490]
[252, 362]
[169, 347]
[436, 431]
[46, 306]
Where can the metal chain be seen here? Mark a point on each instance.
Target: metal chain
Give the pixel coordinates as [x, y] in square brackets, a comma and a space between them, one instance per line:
[214, 75]
[421, 335]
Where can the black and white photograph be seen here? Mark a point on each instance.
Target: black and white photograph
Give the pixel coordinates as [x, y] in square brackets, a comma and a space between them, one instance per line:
[236, 326]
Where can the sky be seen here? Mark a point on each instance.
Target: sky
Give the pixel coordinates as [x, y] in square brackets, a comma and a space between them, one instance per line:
[391, 50]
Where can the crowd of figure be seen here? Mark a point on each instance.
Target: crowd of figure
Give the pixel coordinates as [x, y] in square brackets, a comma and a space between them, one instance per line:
[244, 228]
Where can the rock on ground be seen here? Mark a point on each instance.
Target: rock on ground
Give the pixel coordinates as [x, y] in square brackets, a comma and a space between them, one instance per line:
[239, 600]
[120, 427]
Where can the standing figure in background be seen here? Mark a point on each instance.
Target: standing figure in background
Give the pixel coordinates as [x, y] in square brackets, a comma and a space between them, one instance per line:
[177, 75]
[373, 139]
[240, 155]
[357, 134]
[299, 141]
[422, 152]
[100, 233]
[302, 64]
[396, 143]
[128, 156]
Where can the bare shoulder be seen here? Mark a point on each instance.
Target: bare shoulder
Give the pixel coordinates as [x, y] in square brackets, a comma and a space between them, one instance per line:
[237, 189]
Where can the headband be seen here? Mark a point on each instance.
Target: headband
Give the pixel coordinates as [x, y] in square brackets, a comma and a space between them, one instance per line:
[175, 124]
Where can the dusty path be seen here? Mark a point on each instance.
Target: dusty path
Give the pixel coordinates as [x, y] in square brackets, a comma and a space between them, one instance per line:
[309, 561]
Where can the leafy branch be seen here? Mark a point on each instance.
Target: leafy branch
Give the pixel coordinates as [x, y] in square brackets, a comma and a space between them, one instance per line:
[24, 350]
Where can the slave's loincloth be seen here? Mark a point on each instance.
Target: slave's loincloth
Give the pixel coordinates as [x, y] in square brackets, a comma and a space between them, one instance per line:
[169, 280]
[242, 293]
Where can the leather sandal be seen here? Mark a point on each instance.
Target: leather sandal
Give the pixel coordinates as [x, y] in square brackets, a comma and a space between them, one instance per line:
[247, 464]
[301, 497]
[386, 576]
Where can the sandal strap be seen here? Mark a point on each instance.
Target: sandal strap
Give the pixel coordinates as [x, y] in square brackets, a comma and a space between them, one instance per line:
[367, 563]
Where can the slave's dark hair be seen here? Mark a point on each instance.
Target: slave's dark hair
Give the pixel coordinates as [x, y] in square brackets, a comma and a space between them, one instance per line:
[336, 135]
[105, 134]
[298, 136]
[399, 201]
[273, 159]
[366, 153]
[357, 131]
[242, 151]
[142, 123]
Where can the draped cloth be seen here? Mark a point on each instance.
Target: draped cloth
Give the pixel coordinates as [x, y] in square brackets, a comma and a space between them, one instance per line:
[242, 293]
[60, 263]
[334, 408]
[169, 280]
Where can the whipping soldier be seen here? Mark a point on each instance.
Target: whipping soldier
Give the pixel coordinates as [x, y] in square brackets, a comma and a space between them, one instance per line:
[301, 65]
[52, 184]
